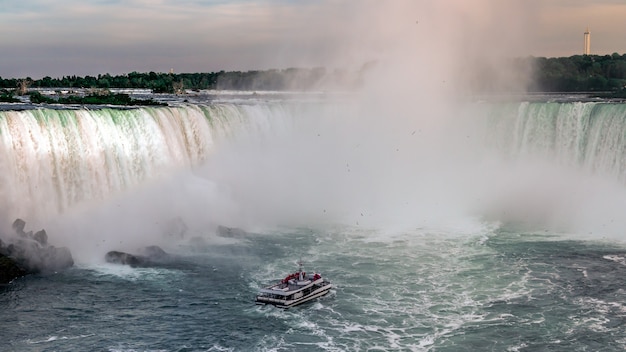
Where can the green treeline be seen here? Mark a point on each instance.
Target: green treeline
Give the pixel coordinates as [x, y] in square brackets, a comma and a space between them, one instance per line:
[578, 73]
[158, 82]
[102, 98]
[287, 79]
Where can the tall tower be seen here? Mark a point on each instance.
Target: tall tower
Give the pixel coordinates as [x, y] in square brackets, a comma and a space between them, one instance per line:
[587, 49]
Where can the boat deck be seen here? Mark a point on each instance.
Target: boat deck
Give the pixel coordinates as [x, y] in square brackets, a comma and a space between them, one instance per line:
[294, 289]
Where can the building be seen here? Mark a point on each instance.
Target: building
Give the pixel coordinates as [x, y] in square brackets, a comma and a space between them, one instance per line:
[587, 48]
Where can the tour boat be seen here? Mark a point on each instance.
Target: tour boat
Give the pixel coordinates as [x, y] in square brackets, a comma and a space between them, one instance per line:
[294, 289]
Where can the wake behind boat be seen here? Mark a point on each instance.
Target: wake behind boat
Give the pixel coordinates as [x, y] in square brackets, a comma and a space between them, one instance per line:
[294, 289]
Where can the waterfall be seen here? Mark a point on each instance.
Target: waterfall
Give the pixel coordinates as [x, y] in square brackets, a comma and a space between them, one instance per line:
[586, 135]
[52, 159]
[292, 154]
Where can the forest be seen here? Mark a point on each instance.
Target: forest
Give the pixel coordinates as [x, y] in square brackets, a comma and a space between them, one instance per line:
[287, 79]
[578, 73]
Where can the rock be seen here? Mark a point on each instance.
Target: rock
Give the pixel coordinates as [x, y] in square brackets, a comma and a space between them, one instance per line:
[231, 232]
[9, 270]
[149, 256]
[117, 257]
[55, 259]
[25, 253]
[41, 236]
[18, 226]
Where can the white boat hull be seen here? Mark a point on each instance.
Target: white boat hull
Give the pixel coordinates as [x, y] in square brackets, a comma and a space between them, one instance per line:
[288, 303]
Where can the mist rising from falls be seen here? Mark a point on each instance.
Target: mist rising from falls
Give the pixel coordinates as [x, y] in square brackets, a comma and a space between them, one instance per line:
[589, 136]
[56, 159]
[130, 175]
[560, 165]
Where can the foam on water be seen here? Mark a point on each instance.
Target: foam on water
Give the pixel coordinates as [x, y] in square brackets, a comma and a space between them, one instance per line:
[56, 338]
[433, 240]
[542, 163]
[129, 273]
[416, 292]
[616, 258]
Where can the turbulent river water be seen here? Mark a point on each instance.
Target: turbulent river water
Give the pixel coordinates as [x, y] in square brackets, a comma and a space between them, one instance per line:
[500, 229]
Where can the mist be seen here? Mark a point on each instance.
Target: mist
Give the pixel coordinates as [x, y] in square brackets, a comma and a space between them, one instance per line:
[398, 147]
[403, 152]
[408, 151]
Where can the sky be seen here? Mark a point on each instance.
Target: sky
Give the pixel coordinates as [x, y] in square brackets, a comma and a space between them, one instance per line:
[90, 37]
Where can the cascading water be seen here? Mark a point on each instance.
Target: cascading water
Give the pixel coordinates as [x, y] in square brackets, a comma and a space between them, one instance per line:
[55, 159]
[590, 136]
[112, 179]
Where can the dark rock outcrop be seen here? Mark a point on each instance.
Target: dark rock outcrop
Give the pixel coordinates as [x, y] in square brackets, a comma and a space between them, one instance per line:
[117, 257]
[232, 232]
[24, 253]
[9, 270]
[147, 257]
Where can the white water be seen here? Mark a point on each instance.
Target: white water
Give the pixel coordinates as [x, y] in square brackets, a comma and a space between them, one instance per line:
[56, 159]
[587, 136]
[566, 165]
[127, 175]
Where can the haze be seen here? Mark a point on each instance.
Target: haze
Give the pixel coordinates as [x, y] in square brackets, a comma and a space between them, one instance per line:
[407, 147]
[44, 38]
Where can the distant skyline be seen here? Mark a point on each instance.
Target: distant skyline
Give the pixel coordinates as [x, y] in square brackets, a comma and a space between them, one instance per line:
[90, 37]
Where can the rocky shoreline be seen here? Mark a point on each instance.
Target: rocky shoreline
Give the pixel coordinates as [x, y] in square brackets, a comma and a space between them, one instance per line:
[23, 253]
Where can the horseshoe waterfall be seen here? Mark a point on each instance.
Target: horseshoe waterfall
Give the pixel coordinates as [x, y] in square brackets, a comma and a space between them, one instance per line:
[494, 225]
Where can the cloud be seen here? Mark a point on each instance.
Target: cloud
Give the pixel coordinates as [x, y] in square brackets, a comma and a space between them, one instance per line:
[559, 31]
[85, 37]
[189, 35]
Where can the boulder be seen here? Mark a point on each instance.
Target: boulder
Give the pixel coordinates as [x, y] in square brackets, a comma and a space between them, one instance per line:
[116, 257]
[18, 226]
[9, 270]
[41, 236]
[232, 232]
[147, 257]
[24, 253]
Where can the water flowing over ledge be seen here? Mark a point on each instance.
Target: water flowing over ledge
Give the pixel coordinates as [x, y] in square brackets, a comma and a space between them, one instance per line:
[53, 159]
[591, 136]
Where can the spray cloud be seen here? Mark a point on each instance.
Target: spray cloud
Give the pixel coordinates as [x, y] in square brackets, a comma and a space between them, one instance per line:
[403, 152]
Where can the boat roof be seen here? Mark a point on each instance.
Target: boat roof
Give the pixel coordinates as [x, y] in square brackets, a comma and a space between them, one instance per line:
[286, 290]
